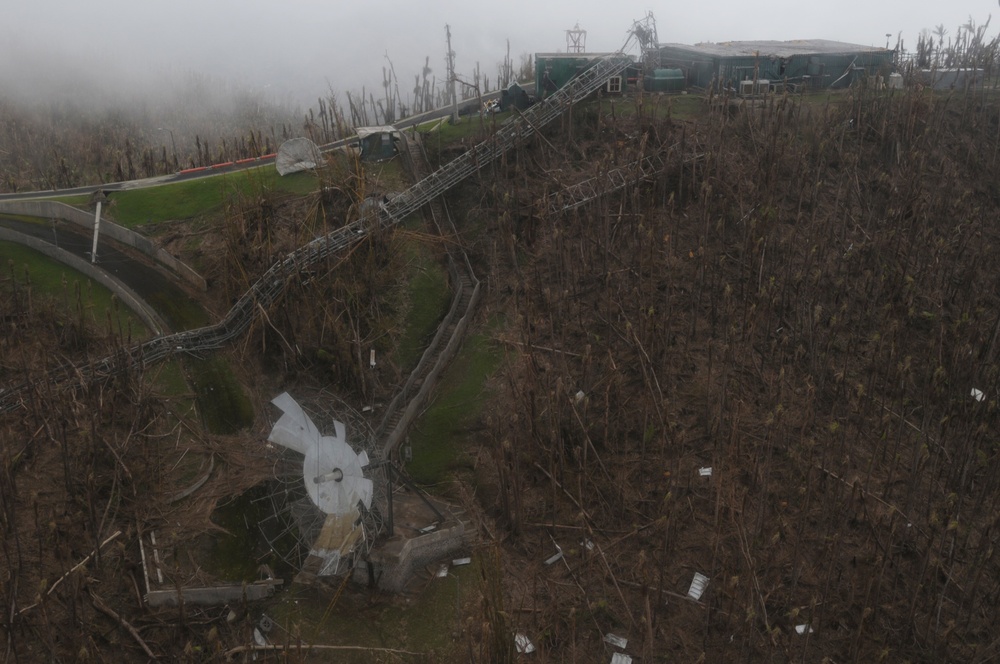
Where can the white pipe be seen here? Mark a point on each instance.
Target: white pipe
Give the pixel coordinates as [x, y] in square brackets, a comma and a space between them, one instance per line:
[97, 228]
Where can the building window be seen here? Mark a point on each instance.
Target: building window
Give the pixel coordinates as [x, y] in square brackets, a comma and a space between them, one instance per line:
[615, 84]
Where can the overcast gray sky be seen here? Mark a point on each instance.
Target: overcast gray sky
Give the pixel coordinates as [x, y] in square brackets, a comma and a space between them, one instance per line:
[298, 49]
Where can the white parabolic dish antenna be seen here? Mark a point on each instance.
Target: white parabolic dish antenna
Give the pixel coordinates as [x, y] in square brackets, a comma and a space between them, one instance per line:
[331, 471]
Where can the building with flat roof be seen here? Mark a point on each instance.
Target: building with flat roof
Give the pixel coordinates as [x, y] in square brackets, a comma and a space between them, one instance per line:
[554, 70]
[813, 63]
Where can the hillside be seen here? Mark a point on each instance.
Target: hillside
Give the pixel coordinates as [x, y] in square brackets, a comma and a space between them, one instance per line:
[801, 297]
[802, 300]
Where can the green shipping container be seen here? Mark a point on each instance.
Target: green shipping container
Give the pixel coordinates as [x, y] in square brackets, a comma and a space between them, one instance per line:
[665, 80]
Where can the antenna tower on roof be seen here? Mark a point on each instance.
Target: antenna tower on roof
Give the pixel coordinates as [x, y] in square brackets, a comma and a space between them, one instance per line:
[576, 40]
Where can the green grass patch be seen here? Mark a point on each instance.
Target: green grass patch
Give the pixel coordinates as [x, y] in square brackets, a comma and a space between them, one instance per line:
[427, 623]
[237, 554]
[81, 201]
[192, 198]
[222, 403]
[178, 310]
[55, 282]
[428, 299]
[436, 438]
[439, 134]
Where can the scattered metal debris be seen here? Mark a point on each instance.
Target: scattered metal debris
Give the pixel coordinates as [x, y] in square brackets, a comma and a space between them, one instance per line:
[587, 544]
[615, 640]
[698, 585]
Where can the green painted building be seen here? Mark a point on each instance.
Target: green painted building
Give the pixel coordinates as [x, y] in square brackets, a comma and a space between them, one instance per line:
[811, 63]
[377, 143]
[554, 70]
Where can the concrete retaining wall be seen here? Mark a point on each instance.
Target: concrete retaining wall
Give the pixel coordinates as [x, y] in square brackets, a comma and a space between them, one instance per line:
[128, 296]
[55, 210]
[212, 596]
[394, 573]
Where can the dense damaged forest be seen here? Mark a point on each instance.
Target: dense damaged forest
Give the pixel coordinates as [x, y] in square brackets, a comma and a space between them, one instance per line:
[770, 360]
[803, 300]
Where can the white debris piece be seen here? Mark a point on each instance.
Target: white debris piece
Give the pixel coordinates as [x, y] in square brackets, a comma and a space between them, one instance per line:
[580, 395]
[551, 559]
[698, 585]
[457, 562]
[615, 640]
[523, 644]
[620, 658]
[297, 154]
[804, 629]
[978, 394]
[428, 529]
[705, 472]
[258, 638]
[587, 544]
[442, 571]
[371, 359]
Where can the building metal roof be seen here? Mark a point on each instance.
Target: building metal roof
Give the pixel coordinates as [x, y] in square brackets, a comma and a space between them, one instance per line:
[780, 49]
[363, 132]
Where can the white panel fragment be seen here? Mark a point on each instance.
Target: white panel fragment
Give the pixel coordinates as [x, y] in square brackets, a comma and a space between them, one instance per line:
[330, 558]
[554, 558]
[523, 644]
[615, 640]
[579, 396]
[293, 429]
[698, 585]
[804, 629]
[458, 562]
[705, 472]
[978, 394]
[442, 571]
[620, 658]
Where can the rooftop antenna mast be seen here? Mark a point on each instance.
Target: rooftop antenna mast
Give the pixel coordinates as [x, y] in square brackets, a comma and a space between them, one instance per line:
[576, 39]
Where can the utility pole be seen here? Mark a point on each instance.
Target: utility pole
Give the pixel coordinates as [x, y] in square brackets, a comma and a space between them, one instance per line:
[451, 76]
[97, 227]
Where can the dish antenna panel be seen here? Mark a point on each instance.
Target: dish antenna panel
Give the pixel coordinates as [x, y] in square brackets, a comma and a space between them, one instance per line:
[332, 472]
[323, 499]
